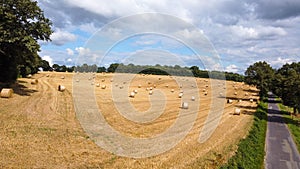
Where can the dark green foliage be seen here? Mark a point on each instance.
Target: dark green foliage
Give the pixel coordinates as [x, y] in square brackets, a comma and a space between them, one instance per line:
[113, 67]
[154, 71]
[261, 75]
[101, 69]
[251, 150]
[286, 85]
[45, 65]
[22, 24]
[86, 68]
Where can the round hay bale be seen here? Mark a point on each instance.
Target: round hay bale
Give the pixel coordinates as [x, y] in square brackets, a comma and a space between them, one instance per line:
[193, 98]
[102, 80]
[167, 86]
[151, 88]
[29, 76]
[135, 91]
[62, 77]
[147, 88]
[206, 85]
[139, 86]
[47, 75]
[150, 92]
[205, 93]
[77, 80]
[92, 83]
[98, 85]
[34, 81]
[180, 95]
[116, 84]
[149, 82]
[111, 80]
[172, 90]
[240, 100]
[204, 90]
[251, 100]
[237, 111]
[159, 78]
[180, 86]
[246, 94]
[132, 94]
[103, 86]
[221, 94]
[229, 101]
[7, 92]
[235, 93]
[154, 86]
[185, 105]
[61, 88]
[121, 87]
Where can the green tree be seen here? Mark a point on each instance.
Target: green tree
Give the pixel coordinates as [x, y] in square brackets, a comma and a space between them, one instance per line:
[44, 64]
[101, 69]
[55, 67]
[287, 85]
[22, 24]
[112, 67]
[261, 75]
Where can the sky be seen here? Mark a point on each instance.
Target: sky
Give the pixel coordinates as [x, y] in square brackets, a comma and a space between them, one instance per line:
[226, 35]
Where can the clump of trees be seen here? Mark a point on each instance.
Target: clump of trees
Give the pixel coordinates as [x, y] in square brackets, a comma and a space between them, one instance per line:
[22, 24]
[284, 82]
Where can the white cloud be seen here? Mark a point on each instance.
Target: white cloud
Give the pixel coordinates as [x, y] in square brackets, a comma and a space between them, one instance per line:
[70, 51]
[89, 27]
[278, 62]
[69, 60]
[232, 68]
[238, 29]
[257, 32]
[83, 51]
[60, 37]
[49, 59]
[85, 55]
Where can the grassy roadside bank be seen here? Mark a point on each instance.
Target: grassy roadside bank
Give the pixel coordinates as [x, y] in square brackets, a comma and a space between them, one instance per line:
[251, 151]
[292, 122]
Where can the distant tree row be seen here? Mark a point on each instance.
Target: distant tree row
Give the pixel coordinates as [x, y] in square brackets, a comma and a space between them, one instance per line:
[284, 82]
[174, 70]
[148, 69]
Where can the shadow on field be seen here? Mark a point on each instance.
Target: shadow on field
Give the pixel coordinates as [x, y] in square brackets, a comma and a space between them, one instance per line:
[20, 89]
[246, 107]
[250, 91]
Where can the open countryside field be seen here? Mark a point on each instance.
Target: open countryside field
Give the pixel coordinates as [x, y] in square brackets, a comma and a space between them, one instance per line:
[39, 127]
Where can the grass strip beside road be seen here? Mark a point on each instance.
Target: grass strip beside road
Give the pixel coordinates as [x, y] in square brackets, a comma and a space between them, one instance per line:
[251, 150]
[292, 122]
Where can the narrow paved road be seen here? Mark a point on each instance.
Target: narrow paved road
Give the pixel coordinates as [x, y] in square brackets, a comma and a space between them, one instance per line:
[281, 150]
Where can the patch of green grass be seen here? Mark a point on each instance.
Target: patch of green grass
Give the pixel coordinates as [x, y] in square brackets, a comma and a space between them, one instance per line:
[251, 150]
[292, 122]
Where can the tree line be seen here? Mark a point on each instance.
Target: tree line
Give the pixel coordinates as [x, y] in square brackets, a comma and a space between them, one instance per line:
[157, 69]
[283, 82]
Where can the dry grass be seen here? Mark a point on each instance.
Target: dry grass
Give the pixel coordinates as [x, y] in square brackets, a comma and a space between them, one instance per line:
[39, 128]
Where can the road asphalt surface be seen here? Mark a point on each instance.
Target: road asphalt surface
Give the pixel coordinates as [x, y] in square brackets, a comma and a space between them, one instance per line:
[281, 150]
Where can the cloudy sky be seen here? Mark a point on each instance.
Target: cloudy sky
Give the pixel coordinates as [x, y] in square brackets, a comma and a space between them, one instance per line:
[225, 35]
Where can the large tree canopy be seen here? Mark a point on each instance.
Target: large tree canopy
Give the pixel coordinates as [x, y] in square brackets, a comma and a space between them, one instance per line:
[287, 85]
[22, 24]
[261, 75]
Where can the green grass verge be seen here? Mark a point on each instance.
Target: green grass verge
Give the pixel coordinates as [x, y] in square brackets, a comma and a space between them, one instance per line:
[292, 123]
[251, 150]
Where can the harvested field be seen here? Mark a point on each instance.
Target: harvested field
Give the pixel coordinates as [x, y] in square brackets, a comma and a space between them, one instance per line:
[39, 127]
